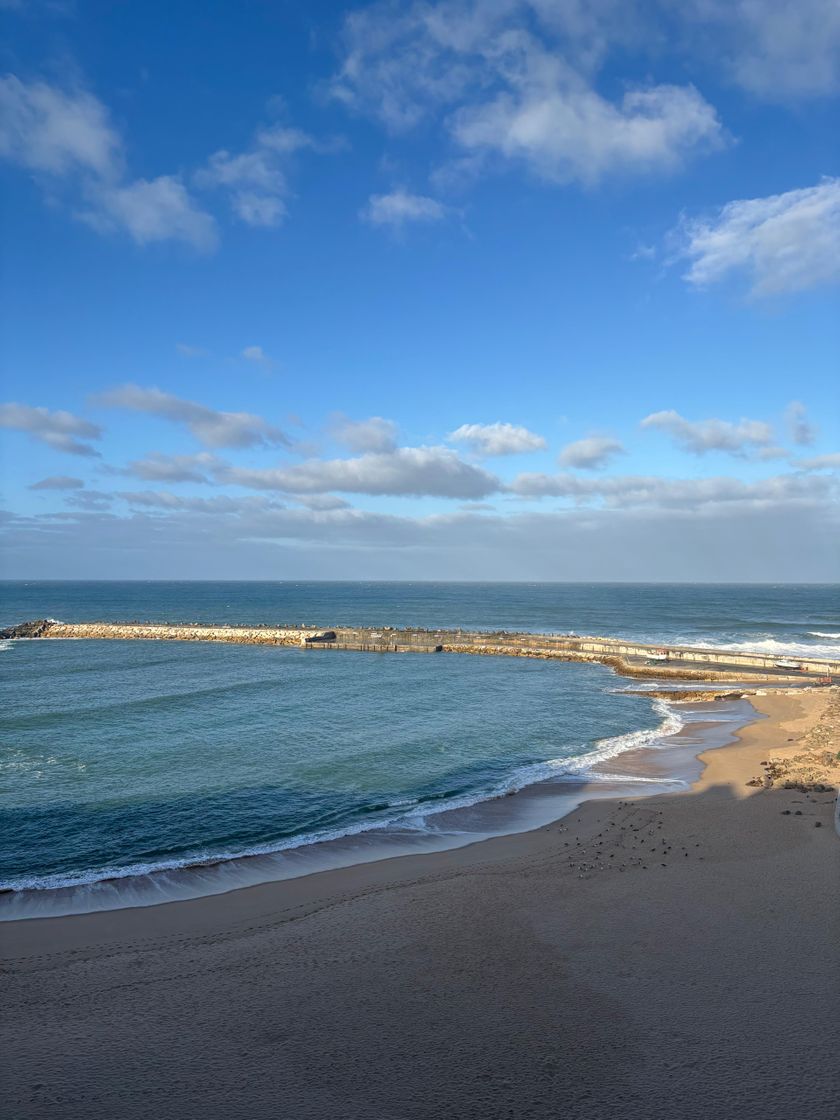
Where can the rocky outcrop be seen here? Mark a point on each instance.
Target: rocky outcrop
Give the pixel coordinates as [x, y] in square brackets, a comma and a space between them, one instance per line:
[37, 629]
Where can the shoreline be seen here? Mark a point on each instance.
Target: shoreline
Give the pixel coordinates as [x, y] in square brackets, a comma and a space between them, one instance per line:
[662, 756]
[640, 958]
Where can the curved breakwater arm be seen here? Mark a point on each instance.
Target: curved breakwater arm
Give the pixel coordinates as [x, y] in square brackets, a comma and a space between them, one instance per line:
[633, 659]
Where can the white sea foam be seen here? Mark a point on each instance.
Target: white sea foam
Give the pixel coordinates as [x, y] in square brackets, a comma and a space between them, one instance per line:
[6, 643]
[772, 647]
[416, 820]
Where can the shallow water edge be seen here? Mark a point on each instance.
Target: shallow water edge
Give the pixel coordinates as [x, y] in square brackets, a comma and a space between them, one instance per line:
[666, 762]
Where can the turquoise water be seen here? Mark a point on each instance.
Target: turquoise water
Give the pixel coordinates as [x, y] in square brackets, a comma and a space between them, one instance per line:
[125, 756]
[121, 758]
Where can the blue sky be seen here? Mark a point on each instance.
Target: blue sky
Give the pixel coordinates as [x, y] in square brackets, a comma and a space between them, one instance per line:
[529, 289]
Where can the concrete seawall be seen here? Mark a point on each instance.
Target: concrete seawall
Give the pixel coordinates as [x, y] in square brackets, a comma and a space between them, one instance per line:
[629, 658]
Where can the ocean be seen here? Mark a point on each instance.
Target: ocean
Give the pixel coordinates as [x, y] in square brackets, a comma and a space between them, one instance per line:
[128, 762]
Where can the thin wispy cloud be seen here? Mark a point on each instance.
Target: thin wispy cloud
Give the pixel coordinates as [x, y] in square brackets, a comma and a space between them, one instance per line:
[802, 431]
[157, 467]
[829, 462]
[257, 356]
[210, 426]
[401, 208]
[783, 243]
[60, 430]
[374, 434]
[58, 482]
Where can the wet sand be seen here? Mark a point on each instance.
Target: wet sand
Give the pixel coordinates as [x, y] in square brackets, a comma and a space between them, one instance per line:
[673, 956]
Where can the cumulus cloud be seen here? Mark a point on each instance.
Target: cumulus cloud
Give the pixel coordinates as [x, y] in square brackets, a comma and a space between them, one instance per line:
[187, 351]
[701, 436]
[497, 439]
[58, 482]
[60, 430]
[209, 426]
[407, 471]
[783, 243]
[400, 207]
[591, 453]
[65, 136]
[802, 431]
[374, 434]
[516, 81]
[564, 134]
[255, 180]
[157, 467]
[159, 209]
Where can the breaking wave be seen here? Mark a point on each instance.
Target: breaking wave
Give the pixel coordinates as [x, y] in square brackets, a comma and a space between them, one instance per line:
[413, 815]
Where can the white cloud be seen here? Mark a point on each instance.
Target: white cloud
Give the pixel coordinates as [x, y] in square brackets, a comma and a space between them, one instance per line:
[784, 243]
[46, 129]
[564, 134]
[187, 351]
[774, 48]
[407, 471]
[374, 434]
[829, 462]
[802, 431]
[157, 467]
[590, 453]
[497, 439]
[516, 79]
[66, 136]
[687, 495]
[60, 430]
[700, 436]
[89, 499]
[209, 426]
[58, 482]
[322, 503]
[221, 504]
[256, 180]
[152, 210]
[257, 355]
[399, 207]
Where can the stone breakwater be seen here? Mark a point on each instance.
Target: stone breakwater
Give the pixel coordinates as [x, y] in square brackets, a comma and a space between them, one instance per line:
[634, 659]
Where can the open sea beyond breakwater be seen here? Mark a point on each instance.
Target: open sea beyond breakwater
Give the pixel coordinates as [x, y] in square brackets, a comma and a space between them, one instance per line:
[124, 762]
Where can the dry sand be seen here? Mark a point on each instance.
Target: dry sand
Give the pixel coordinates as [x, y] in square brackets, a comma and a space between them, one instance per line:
[675, 957]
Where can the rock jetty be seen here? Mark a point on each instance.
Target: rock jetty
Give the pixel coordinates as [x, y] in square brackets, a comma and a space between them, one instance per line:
[633, 659]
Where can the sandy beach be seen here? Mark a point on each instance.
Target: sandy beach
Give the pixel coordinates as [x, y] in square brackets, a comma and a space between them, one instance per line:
[675, 956]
